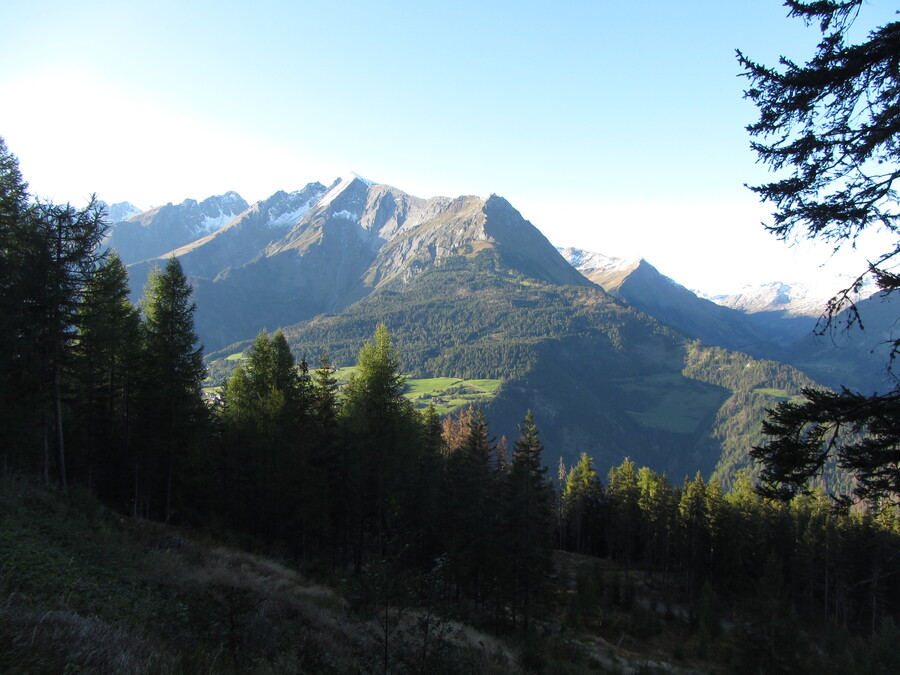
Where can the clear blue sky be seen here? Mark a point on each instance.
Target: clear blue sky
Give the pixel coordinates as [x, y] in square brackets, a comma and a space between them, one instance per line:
[617, 127]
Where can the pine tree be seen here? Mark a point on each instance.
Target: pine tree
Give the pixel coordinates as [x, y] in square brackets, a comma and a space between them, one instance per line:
[172, 411]
[325, 501]
[830, 127]
[64, 255]
[528, 519]
[380, 426]
[18, 377]
[623, 495]
[266, 403]
[105, 368]
[582, 502]
[471, 514]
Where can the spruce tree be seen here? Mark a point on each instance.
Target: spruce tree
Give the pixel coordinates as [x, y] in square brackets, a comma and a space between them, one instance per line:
[265, 401]
[105, 371]
[380, 426]
[528, 519]
[830, 129]
[582, 503]
[172, 411]
[18, 377]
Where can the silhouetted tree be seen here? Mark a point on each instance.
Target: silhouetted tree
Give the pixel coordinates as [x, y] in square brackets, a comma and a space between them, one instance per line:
[832, 127]
[171, 408]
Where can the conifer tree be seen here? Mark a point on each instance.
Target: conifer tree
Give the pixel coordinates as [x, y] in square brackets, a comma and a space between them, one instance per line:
[830, 128]
[380, 427]
[326, 498]
[473, 506]
[528, 518]
[64, 253]
[266, 402]
[623, 495]
[657, 504]
[172, 411]
[582, 503]
[106, 363]
[18, 377]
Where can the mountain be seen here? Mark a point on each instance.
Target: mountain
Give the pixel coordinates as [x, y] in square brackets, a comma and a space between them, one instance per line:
[641, 285]
[120, 211]
[247, 235]
[600, 376]
[470, 289]
[774, 321]
[853, 351]
[790, 299]
[294, 256]
[162, 229]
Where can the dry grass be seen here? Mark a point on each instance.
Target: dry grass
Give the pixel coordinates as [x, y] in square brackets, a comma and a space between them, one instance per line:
[58, 641]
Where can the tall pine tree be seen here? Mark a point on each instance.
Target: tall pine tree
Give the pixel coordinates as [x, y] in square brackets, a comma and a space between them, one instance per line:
[171, 408]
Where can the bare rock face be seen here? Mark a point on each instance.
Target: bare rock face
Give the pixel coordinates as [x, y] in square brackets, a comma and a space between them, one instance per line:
[154, 233]
[299, 254]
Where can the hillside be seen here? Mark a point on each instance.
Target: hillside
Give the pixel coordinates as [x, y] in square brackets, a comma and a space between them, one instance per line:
[88, 590]
[471, 290]
[599, 376]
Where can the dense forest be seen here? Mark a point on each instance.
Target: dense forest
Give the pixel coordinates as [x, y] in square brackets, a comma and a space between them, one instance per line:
[352, 482]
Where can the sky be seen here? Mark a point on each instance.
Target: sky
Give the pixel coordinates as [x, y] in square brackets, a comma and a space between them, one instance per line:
[616, 127]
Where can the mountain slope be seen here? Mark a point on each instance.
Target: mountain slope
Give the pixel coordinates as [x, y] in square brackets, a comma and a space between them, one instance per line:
[845, 355]
[266, 269]
[599, 376]
[155, 232]
[640, 285]
[471, 289]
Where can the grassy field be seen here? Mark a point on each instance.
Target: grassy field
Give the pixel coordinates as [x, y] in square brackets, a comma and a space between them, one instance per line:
[671, 403]
[777, 394]
[448, 394]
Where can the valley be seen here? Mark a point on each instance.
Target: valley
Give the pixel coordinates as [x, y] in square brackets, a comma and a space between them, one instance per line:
[366, 486]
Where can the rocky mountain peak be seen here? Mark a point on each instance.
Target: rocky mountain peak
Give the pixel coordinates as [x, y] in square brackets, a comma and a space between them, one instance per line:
[119, 211]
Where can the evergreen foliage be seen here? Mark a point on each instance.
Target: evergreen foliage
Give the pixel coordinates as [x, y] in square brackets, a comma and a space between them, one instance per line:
[427, 518]
[832, 126]
[107, 356]
[171, 413]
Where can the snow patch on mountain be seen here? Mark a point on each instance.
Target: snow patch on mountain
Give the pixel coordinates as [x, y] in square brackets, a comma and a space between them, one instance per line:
[587, 261]
[338, 187]
[116, 213]
[346, 215]
[212, 223]
[368, 182]
[289, 217]
[808, 298]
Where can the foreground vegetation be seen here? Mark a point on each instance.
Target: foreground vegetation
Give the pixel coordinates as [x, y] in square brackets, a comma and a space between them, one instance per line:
[85, 589]
[434, 546]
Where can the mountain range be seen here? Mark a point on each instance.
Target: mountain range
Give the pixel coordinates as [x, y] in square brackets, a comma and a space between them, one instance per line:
[612, 357]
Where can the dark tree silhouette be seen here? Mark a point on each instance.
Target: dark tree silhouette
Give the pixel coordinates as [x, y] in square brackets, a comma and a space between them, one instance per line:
[831, 127]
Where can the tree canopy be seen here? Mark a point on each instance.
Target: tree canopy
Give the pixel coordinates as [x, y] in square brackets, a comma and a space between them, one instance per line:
[831, 129]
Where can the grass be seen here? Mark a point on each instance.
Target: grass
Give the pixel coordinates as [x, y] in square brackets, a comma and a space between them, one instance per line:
[418, 387]
[448, 394]
[671, 403]
[452, 393]
[778, 394]
[86, 590]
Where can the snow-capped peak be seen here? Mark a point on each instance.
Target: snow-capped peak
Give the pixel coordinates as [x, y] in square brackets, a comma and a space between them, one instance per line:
[795, 298]
[120, 211]
[355, 175]
[586, 261]
[340, 185]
